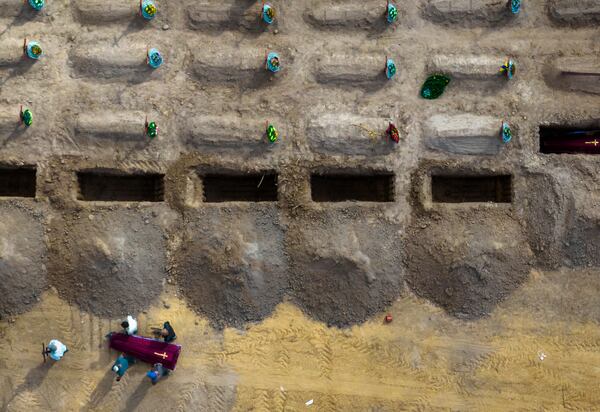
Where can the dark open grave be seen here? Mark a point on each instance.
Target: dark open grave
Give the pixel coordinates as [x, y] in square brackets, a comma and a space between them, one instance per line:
[114, 187]
[348, 187]
[464, 189]
[569, 140]
[240, 188]
[17, 182]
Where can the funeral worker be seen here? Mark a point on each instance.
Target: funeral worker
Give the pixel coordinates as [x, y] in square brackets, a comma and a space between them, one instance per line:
[56, 349]
[122, 364]
[167, 332]
[157, 372]
[129, 326]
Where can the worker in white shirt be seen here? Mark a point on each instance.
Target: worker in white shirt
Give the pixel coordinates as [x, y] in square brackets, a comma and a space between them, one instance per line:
[129, 326]
[56, 349]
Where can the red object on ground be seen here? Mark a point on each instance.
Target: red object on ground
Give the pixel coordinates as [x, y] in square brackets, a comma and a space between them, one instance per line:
[388, 318]
[393, 133]
[146, 349]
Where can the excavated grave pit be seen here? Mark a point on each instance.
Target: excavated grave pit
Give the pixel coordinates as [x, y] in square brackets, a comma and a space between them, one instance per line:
[466, 189]
[343, 188]
[240, 188]
[17, 182]
[110, 187]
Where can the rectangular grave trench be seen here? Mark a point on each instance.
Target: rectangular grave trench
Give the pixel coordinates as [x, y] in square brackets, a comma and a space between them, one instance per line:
[562, 139]
[120, 187]
[231, 187]
[338, 187]
[467, 189]
[17, 181]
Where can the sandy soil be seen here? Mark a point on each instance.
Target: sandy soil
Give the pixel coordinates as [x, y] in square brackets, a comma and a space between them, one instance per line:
[494, 305]
[536, 351]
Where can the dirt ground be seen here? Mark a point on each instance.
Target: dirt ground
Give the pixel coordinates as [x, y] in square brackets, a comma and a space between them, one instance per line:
[537, 351]
[494, 304]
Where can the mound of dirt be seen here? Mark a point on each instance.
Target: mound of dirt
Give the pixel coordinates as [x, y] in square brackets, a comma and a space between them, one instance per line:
[547, 210]
[480, 13]
[345, 269]
[231, 266]
[574, 13]
[110, 263]
[564, 295]
[22, 257]
[468, 261]
[583, 243]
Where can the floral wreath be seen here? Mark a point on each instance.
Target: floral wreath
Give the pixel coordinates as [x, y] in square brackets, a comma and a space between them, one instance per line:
[36, 50]
[150, 9]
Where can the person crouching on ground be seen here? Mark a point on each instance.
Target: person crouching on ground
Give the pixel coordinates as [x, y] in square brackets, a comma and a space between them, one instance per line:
[157, 372]
[56, 349]
[130, 325]
[122, 364]
[167, 332]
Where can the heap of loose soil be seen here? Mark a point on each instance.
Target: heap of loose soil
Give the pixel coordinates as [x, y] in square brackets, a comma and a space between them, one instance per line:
[231, 265]
[582, 246]
[581, 238]
[110, 263]
[561, 295]
[467, 261]
[547, 209]
[22, 257]
[561, 214]
[345, 269]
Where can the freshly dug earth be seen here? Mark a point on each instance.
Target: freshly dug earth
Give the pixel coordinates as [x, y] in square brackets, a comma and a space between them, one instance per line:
[109, 263]
[547, 208]
[468, 261]
[22, 258]
[561, 213]
[231, 265]
[583, 243]
[581, 240]
[345, 269]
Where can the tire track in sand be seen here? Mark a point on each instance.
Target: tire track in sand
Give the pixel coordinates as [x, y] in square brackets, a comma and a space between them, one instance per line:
[322, 346]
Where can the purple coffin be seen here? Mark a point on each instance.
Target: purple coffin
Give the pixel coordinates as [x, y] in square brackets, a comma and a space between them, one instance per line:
[569, 140]
[146, 349]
